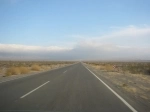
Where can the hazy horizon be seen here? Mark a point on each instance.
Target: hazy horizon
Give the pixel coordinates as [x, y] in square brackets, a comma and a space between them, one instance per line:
[74, 30]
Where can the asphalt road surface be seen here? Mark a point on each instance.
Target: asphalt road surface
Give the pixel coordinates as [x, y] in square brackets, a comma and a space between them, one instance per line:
[69, 89]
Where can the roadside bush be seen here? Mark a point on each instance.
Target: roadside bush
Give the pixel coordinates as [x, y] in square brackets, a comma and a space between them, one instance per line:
[16, 70]
[109, 68]
[24, 70]
[12, 71]
[35, 67]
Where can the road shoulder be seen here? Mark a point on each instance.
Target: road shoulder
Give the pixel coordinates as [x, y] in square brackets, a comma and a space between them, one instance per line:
[130, 98]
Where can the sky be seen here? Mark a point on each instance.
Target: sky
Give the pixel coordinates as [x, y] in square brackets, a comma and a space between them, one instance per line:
[74, 30]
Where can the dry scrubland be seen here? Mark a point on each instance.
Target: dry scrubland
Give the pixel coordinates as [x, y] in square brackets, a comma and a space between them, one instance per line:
[124, 67]
[8, 68]
[132, 78]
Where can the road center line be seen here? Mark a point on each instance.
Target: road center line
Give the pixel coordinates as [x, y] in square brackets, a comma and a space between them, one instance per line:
[124, 101]
[34, 89]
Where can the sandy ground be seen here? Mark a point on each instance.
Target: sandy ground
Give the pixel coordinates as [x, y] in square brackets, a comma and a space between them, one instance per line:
[136, 86]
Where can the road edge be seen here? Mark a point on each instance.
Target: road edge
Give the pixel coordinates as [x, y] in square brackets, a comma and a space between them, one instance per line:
[114, 92]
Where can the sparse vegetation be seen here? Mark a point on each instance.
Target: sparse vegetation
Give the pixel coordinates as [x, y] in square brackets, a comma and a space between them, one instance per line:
[132, 78]
[13, 71]
[16, 70]
[24, 70]
[125, 67]
[35, 67]
[23, 67]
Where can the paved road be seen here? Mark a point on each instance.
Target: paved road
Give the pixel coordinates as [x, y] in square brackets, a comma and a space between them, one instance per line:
[71, 88]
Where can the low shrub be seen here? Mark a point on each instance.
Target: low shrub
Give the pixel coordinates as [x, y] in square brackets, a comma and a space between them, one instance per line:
[35, 67]
[17, 70]
[24, 70]
[109, 68]
[13, 71]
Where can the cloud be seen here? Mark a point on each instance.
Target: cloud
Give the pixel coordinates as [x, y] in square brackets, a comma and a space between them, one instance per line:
[130, 36]
[128, 43]
[102, 51]
[25, 52]
[130, 31]
[84, 50]
[25, 48]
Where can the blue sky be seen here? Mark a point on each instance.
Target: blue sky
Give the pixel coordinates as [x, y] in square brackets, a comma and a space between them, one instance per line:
[70, 24]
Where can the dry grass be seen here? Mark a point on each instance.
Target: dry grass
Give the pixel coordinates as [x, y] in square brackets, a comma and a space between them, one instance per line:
[13, 71]
[24, 70]
[125, 67]
[132, 78]
[109, 68]
[130, 89]
[23, 67]
[35, 67]
[17, 71]
[106, 67]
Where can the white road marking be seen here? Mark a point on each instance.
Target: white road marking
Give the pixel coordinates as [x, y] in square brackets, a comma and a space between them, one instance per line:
[65, 71]
[34, 89]
[125, 102]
